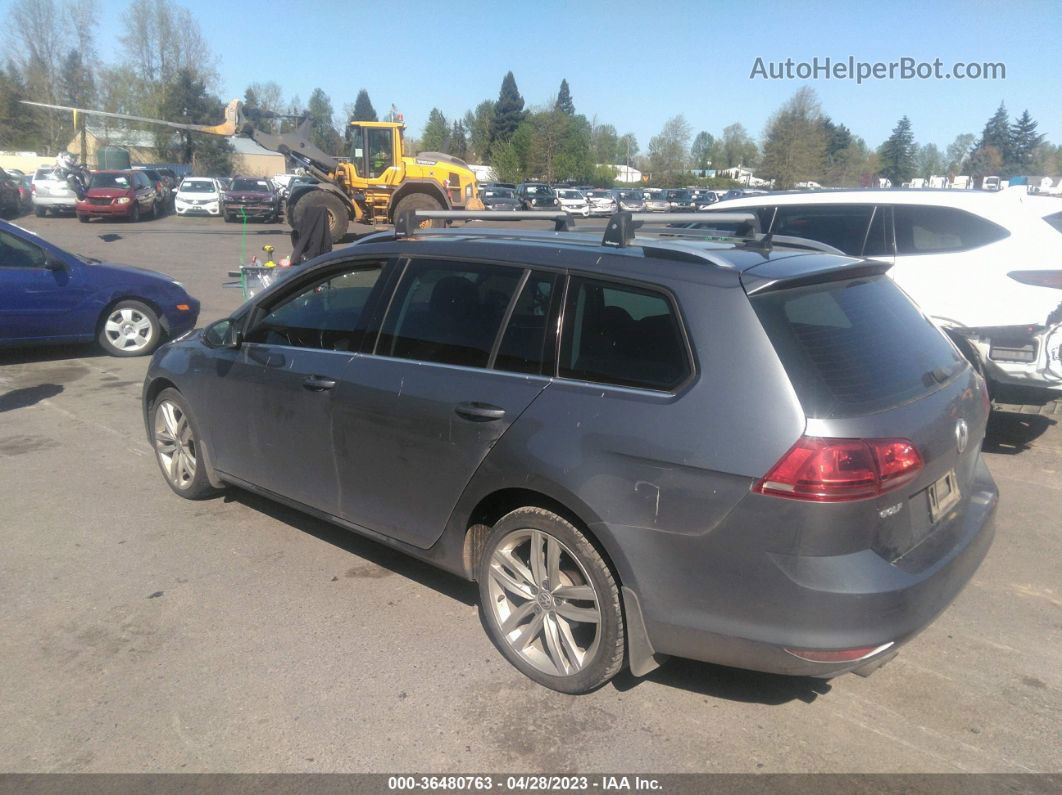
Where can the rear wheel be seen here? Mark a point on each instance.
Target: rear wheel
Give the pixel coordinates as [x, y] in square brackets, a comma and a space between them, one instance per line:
[177, 443]
[82, 218]
[40, 212]
[418, 201]
[338, 217]
[550, 603]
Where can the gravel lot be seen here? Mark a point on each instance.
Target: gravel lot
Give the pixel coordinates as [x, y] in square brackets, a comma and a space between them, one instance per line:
[146, 633]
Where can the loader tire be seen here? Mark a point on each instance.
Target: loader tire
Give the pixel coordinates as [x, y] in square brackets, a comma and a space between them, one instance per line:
[419, 201]
[338, 217]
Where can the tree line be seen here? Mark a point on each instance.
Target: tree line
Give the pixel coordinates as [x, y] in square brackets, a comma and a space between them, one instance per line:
[167, 71]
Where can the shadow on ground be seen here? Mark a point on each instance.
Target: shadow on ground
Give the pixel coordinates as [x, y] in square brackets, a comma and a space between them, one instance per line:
[1010, 433]
[374, 552]
[28, 396]
[49, 353]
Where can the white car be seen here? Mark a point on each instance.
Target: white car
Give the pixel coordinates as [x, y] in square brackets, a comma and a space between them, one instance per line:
[51, 193]
[198, 196]
[987, 267]
[602, 202]
[573, 201]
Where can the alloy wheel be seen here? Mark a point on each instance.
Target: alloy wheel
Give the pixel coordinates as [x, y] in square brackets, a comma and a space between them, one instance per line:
[544, 602]
[175, 444]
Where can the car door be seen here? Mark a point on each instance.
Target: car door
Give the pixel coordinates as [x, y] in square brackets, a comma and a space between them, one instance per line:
[275, 396]
[41, 295]
[414, 420]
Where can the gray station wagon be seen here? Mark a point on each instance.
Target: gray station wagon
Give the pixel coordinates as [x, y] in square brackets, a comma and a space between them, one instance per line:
[748, 452]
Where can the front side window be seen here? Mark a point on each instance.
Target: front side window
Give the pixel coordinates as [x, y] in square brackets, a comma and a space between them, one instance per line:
[843, 226]
[622, 335]
[18, 253]
[327, 315]
[923, 229]
[1055, 220]
[448, 312]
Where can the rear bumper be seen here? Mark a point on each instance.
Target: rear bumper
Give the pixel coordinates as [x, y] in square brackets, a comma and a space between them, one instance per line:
[1019, 355]
[770, 602]
[55, 202]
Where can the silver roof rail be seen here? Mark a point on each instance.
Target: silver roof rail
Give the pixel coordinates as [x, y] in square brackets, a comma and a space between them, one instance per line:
[408, 224]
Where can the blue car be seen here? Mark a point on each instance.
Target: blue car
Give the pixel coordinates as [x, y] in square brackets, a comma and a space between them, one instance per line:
[48, 295]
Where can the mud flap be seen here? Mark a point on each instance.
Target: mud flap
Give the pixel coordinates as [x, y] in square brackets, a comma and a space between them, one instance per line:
[641, 658]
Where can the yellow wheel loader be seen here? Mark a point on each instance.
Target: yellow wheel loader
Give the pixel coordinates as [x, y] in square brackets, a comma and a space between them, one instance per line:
[375, 183]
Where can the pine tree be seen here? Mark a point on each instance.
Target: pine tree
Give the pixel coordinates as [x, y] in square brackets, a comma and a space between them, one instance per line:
[436, 132]
[458, 143]
[1024, 140]
[997, 133]
[324, 135]
[508, 111]
[701, 150]
[897, 154]
[363, 109]
[564, 99]
[250, 98]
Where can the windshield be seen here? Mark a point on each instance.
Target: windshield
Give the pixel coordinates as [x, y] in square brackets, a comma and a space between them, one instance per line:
[197, 186]
[599, 194]
[104, 180]
[679, 195]
[251, 184]
[539, 190]
[631, 196]
[498, 193]
[569, 194]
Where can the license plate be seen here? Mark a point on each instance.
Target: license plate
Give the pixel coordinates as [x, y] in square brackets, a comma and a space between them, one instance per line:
[943, 495]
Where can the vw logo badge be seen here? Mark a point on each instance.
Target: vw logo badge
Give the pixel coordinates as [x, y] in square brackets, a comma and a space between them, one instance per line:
[962, 436]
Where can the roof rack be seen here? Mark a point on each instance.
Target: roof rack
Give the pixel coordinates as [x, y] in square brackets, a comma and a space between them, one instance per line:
[408, 223]
[622, 227]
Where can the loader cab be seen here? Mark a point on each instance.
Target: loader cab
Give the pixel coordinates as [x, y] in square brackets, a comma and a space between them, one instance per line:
[374, 148]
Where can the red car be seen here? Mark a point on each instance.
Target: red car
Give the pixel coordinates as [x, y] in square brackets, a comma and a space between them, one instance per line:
[117, 194]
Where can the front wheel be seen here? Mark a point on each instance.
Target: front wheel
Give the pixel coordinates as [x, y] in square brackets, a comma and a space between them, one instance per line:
[178, 449]
[130, 328]
[338, 216]
[418, 201]
[134, 214]
[550, 602]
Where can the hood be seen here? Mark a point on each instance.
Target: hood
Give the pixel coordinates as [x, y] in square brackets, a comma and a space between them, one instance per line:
[108, 193]
[116, 273]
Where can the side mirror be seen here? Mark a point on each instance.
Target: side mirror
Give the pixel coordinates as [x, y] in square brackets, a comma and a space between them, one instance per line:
[54, 264]
[223, 333]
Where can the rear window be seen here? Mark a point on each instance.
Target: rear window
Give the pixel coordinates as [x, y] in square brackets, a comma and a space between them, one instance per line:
[930, 230]
[855, 347]
[843, 226]
[622, 335]
[1055, 221]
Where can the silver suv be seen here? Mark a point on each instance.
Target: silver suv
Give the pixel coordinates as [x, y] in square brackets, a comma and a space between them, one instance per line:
[51, 193]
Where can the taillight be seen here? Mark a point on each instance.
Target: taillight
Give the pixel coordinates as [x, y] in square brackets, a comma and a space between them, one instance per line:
[1038, 278]
[832, 470]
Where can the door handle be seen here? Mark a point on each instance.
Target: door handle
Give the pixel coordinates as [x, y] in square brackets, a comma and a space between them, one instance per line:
[318, 383]
[479, 412]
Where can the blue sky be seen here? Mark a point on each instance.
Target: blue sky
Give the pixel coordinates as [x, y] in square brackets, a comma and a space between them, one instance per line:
[634, 64]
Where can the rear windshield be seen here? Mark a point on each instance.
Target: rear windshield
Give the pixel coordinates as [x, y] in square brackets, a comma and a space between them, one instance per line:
[856, 346]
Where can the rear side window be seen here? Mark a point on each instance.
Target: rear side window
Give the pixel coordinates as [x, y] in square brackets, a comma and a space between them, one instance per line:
[622, 335]
[527, 345]
[843, 226]
[448, 312]
[1055, 221]
[855, 347]
[932, 230]
[765, 214]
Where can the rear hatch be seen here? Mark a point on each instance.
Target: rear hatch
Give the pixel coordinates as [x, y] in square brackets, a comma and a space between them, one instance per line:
[895, 414]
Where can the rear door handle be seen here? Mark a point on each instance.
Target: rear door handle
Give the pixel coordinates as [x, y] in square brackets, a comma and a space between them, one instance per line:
[318, 383]
[479, 412]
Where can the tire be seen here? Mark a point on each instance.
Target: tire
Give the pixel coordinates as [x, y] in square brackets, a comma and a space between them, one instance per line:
[82, 218]
[228, 218]
[419, 201]
[570, 648]
[338, 217]
[40, 212]
[176, 440]
[130, 328]
[134, 214]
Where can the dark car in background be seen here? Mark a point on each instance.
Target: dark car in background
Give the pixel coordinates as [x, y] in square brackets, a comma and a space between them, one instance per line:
[10, 197]
[118, 194]
[536, 196]
[250, 198]
[48, 295]
[760, 456]
[499, 198]
[163, 188]
[679, 201]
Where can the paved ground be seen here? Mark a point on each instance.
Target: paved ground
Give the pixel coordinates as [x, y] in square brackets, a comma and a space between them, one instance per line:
[142, 632]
